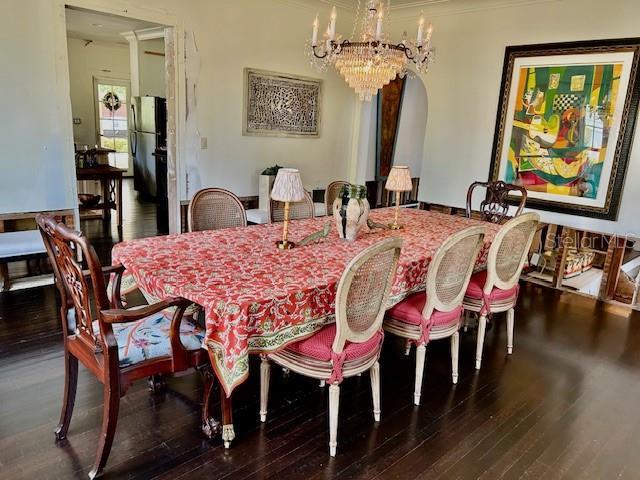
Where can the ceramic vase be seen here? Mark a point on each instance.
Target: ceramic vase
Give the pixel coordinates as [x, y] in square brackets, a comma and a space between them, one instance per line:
[351, 210]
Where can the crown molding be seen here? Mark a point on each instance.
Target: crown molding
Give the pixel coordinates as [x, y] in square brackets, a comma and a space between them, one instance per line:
[321, 5]
[406, 12]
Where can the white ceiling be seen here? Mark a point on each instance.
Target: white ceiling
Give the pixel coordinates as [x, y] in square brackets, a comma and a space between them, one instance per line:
[100, 26]
[443, 7]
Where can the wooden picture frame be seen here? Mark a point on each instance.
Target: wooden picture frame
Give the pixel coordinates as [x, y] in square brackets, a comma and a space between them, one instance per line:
[565, 123]
[296, 101]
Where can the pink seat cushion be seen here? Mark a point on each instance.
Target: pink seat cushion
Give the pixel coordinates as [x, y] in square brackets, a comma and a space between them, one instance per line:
[318, 345]
[410, 309]
[478, 280]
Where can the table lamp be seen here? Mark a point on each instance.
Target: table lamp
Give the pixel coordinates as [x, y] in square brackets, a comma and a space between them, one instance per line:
[399, 180]
[287, 187]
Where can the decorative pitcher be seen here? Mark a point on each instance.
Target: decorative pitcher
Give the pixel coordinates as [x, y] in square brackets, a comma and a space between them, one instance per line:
[351, 210]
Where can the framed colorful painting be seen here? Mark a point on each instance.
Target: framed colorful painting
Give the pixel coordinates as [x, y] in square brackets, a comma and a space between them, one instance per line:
[565, 123]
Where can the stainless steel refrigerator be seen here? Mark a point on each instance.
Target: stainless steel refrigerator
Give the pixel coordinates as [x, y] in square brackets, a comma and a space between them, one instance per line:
[149, 134]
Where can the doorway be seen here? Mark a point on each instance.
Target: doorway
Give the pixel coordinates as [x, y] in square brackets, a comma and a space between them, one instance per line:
[110, 58]
[111, 105]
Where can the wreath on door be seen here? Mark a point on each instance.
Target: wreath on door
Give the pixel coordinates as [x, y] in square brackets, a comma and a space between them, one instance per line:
[111, 101]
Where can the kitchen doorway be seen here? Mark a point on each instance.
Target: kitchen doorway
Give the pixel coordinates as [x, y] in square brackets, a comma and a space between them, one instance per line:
[125, 58]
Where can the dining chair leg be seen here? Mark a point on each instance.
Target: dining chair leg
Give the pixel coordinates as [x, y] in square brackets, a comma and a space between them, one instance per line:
[322, 383]
[265, 374]
[482, 326]
[109, 421]
[70, 388]
[407, 347]
[510, 320]
[375, 390]
[455, 347]
[421, 353]
[334, 404]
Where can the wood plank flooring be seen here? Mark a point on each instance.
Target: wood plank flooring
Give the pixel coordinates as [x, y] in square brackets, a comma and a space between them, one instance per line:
[566, 404]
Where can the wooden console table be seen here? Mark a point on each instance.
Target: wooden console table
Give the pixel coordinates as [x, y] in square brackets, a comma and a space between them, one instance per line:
[110, 179]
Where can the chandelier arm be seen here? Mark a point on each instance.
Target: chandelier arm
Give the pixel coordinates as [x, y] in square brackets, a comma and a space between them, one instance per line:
[315, 54]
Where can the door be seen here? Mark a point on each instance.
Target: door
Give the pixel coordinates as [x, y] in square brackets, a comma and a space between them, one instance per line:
[111, 97]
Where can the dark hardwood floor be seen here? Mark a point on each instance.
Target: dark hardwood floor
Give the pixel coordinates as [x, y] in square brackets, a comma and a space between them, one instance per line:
[566, 404]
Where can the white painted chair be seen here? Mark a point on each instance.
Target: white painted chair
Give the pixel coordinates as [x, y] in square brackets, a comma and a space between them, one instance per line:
[351, 345]
[495, 290]
[435, 313]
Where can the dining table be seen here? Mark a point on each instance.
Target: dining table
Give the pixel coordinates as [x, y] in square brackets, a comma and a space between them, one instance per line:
[259, 299]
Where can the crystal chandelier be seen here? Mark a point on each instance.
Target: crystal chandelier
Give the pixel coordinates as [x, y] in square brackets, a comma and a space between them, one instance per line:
[370, 61]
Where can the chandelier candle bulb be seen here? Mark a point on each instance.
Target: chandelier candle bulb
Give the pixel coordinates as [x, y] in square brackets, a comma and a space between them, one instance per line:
[314, 36]
[379, 26]
[332, 24]
[420, 31]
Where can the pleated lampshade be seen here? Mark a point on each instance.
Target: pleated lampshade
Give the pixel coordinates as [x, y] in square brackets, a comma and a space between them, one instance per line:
[287, 187]
[399, 179]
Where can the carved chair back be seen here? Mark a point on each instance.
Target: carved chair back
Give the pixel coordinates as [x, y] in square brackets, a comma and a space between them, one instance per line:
[451, 269]
[332, 192]
[215, 208]
[297, 210]
[363, 292]
[509, 251]
[495, 206]
[79, 290]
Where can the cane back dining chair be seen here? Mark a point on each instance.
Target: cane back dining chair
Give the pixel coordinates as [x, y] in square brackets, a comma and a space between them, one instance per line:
[297, 210]
[495, 289]
[495, 206]
[351, 345]
[435, 312]
[116, 345]
[332, 192]
[215, 208]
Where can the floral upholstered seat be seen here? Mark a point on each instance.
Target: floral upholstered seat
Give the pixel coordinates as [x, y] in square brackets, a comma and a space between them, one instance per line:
[148, 338]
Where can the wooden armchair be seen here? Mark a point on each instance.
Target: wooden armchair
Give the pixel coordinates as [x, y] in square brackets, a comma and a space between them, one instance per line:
[118, 346]
[495, 206]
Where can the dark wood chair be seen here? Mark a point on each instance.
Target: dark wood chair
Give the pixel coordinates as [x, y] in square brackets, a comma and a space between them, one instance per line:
[495, 206]
[118, 346]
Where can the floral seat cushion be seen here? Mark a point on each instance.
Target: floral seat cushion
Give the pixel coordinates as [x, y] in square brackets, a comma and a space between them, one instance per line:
[148, 338]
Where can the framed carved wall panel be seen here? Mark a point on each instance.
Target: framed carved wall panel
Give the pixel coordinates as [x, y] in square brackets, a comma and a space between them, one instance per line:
[281, 105]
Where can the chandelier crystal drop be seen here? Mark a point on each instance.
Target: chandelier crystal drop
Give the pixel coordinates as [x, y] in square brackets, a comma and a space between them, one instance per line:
[371, 61]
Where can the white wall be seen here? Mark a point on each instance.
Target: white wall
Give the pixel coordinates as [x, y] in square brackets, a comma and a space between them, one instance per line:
[411, 129]
[152, 71]
[98, 59]
[36, 140]
[36, 143]
[464, 83]
[269, 35]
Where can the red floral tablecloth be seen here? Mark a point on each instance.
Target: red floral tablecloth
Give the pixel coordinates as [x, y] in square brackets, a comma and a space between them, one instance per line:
[257, 298]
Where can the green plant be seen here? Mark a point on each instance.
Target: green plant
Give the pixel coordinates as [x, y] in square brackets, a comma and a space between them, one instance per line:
[271, 170]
